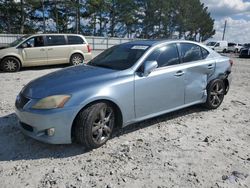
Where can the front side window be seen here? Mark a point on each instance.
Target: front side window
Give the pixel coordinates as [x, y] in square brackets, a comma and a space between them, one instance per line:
[55, 40]
[190, 52]
[34, 42]
[119, 57]
[165, 56]
[75, 40]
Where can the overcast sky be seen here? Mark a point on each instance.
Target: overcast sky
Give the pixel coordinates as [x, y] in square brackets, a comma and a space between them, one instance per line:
[237, 14]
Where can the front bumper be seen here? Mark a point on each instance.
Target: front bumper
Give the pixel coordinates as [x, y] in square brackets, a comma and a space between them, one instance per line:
[35, 123]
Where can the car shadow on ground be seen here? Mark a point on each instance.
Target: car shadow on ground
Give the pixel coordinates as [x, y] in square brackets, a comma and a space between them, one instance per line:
[16, 146]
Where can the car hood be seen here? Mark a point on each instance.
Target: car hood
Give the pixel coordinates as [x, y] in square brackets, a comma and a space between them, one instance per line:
[67, 81]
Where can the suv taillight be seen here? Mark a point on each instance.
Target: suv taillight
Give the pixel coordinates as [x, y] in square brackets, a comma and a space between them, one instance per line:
[89, 49]
[231, 62]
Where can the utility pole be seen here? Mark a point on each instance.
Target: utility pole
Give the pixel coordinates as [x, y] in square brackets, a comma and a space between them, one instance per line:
[22, 18]
[44, 29]
[225, 26]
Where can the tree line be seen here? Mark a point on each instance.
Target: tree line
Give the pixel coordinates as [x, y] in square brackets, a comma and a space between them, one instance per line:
[154, 19]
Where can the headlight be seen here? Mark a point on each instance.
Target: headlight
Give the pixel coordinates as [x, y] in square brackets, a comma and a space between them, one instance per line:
[51, 102]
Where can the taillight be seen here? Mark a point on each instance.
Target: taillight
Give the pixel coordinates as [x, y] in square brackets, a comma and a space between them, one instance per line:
[89, 49]
[231, 62]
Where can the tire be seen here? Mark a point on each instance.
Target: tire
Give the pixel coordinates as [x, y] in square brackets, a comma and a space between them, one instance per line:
[76, 59]
[94, 125]
[224, 51]
[10, 64]
[215, 94]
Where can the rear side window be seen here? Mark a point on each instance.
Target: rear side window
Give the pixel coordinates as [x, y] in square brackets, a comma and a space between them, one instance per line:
[75, 40]
[190, 52]
[55, 40]
[165, 56]
[204, 52]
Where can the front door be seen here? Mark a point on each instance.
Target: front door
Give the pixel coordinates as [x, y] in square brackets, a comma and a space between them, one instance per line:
[163, 89]
[34, 52]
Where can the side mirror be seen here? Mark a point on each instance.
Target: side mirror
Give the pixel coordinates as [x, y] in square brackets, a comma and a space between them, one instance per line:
[149, 66]
[24, 45]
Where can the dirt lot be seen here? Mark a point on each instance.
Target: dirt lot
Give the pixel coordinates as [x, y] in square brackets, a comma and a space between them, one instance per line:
[188, 148]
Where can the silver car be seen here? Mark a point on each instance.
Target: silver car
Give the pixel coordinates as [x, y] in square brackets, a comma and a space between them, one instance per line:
[44, 49]
[125, 84]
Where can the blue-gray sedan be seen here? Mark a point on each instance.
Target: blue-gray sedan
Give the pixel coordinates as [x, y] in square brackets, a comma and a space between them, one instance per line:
[125, 84]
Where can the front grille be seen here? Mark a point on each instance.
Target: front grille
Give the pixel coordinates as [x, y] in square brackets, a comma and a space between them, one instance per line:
[21, 101]
[26, 127]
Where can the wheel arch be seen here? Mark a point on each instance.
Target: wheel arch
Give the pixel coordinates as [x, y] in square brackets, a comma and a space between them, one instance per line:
[76, 52]
[222, 77]
[18, 58]
[118, 113]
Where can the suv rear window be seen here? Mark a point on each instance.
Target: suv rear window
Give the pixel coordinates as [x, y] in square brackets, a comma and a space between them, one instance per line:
[55, 40]
[75, 40]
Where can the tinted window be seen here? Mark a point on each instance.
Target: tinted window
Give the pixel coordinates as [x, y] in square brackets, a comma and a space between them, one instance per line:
[165, 56]
[119, 57]
[75, 40]
[190, 52]
[205, 53]
[55, 40]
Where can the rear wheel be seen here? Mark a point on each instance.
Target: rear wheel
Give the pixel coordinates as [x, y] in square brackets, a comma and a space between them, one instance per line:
[10, 64]
[76, 59]
[215, 94]
[94, 125]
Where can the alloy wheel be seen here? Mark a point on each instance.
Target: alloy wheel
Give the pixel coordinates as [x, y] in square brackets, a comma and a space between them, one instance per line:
[102, 126]
[10, 65]
[77, 60]
[217, 94]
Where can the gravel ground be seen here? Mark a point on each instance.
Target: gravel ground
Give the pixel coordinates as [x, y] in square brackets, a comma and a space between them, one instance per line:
[188, 148]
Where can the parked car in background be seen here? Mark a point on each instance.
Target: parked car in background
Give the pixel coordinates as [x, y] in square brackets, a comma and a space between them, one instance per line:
[44, 49]
[234, 47]
[125, 84]
[245, 51]
[218, 46]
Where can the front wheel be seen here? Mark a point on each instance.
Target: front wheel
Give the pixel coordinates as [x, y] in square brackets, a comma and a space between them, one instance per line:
[76, 59]
[10, 64]
[215, 94]
[94, 125]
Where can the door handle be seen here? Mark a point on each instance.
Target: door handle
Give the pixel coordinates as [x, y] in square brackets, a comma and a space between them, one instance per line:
[50, 49]
[210, 66]
[42, 49]
[179, 73]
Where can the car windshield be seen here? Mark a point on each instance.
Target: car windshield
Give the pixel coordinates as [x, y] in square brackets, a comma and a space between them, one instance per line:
[16, 42]
[211, 44]
[119, 57]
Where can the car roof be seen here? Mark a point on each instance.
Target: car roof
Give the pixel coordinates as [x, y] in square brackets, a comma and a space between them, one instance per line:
[158, 41]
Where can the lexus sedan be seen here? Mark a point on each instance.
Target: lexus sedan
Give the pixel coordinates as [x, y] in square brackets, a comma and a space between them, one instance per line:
[125, 84]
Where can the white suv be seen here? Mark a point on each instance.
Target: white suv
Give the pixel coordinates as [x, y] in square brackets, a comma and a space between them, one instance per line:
[234, 47]
[45, 49]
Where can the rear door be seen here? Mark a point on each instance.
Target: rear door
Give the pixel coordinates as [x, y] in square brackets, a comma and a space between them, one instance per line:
[198, 67]
[162, 89]
[58, 51]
